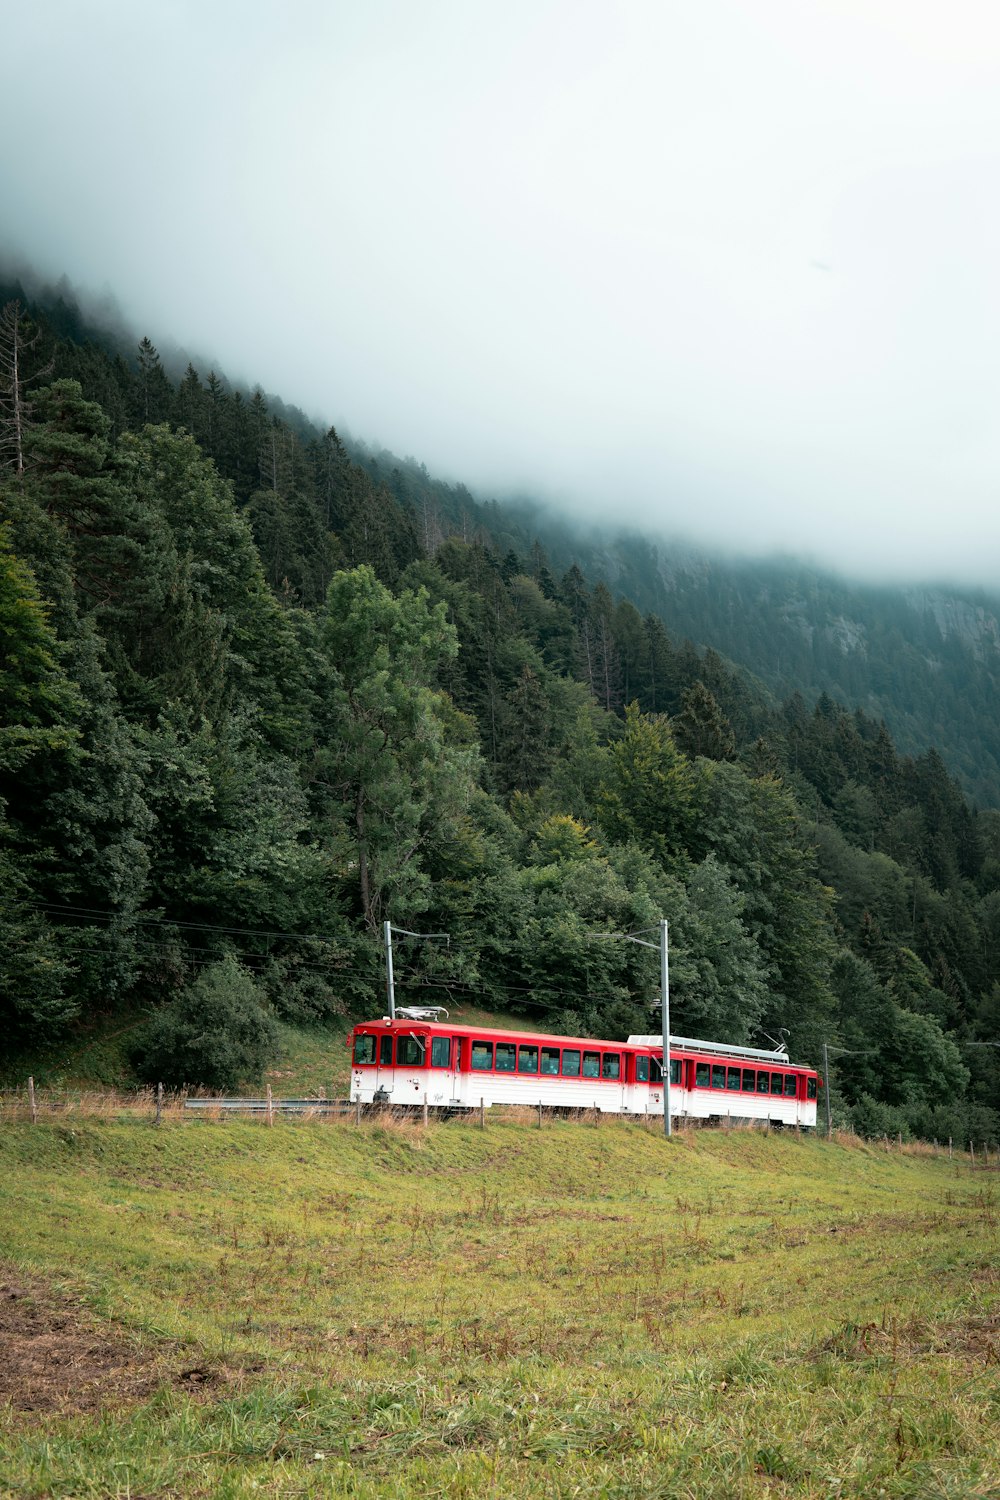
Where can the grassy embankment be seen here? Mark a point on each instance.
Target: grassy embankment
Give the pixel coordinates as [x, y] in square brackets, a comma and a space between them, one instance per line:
[312, 1060]
[384, 1311]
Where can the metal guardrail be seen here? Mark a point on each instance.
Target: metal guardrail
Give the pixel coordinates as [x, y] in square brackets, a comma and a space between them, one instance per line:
[276, 1106]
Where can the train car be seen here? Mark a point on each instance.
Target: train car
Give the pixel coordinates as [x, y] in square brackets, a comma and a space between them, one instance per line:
[409, 1060]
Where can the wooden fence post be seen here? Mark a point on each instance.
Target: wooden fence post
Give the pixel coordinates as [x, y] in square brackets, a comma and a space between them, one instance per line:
[425, 1109]
[32, 1101]
[539, 1114]
[159, 1103]
[482, 1113]
[270, 1107]
[951, 1149]
[357, 1111]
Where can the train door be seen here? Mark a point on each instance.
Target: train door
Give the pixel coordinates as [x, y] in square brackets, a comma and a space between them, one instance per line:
[385, 1076]
[638, 1090]
[613, 1077]
[632, 1069]
[455, 1070]
[655, 1097]
[456, 1075]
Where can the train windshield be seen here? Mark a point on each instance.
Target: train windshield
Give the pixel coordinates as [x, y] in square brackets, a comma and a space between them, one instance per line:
[364, 1050]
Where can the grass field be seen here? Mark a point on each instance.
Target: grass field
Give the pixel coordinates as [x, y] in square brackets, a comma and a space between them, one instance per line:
[323, 1309]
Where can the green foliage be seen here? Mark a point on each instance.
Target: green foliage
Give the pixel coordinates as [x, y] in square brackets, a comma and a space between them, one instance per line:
[754, 828]
[718, 974]
[38, 700]
[701, 728]
[648, 789]
[37, 999]
[561, 837]
[397, 779]
[216, 1034]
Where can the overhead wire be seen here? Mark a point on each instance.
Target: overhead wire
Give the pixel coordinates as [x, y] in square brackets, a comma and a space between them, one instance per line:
[414, 980]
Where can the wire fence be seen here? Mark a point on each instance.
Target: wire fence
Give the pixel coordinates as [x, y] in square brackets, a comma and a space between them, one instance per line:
[157, 1105]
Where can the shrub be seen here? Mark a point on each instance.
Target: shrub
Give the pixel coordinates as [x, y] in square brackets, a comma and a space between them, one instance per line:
[300, 994]
[217, 1033]
[872, 1118]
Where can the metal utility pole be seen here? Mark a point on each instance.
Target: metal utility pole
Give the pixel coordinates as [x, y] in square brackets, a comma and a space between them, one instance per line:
[844, 1052]
[390, 985]
[664, 947]
[665, 1020]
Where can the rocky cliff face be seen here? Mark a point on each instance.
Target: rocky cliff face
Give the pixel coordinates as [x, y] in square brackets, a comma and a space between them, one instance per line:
[976, 625]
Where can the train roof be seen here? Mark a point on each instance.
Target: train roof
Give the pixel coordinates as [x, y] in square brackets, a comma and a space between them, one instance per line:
[637, 1043]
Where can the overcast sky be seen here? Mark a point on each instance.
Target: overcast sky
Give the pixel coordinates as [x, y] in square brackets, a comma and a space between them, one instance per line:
[728, 269]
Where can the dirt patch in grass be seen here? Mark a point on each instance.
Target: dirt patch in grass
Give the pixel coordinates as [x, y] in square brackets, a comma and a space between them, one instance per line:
[975, 1340]
[54, 1357]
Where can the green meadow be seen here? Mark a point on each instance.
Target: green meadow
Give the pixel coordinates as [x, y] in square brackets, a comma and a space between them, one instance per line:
[217, 1308]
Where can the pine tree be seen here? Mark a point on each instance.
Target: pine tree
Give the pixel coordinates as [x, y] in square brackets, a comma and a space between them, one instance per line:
[701, 728]
[154, 394]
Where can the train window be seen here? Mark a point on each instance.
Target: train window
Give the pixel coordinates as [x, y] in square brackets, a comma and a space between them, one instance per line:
[763, 1083]
[811, 1088]
[642, 1069]
[506, 1057]
[571, 1062]
[482, 1057]
[749, 1081]
[527, 1059]
[550, 1060]
[789, 1085]
[611, 1065]
[733, 1078]
[777, 1080]
[385, 1052]
[718, 1076]
[441, 1052]
[409, 1052]
[591, 1065]
[655, 1070]
[675, 1070]
[364, 1050]
[702, 1075]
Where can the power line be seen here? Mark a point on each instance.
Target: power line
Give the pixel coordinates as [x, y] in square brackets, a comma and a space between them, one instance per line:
[418, 980]
[57, 908]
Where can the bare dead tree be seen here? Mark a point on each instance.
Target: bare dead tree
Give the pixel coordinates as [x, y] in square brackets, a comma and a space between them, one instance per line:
[18, 337]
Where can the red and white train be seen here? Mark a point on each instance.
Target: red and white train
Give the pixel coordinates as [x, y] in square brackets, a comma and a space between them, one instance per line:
[412, 1059]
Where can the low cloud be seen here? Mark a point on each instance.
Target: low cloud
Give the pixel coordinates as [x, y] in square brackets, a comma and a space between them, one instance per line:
[720, 270]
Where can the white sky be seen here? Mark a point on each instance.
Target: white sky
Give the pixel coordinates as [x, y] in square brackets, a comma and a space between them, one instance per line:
[729, 269]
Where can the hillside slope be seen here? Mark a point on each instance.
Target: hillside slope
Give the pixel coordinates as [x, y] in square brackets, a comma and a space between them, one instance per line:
[923, 657]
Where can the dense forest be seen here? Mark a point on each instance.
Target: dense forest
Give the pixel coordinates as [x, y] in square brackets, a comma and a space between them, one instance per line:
[257, 695]
[925, 659]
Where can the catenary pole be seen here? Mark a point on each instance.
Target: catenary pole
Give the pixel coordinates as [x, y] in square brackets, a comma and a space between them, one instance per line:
[390, 984]
[664, 947]
[665, 1019]
[842, 1052]
[390, 987]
